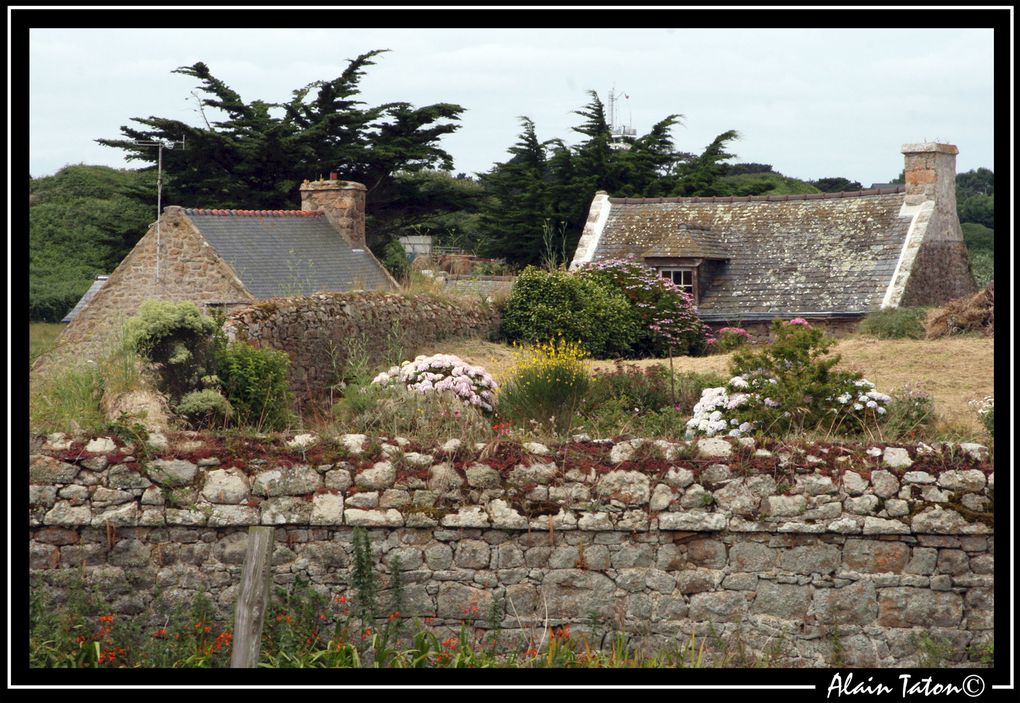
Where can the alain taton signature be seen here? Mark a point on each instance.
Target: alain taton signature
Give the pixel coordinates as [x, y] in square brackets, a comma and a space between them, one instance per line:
[972, 686]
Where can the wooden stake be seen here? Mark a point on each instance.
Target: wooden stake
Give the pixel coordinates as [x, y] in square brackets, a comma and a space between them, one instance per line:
[252, 598]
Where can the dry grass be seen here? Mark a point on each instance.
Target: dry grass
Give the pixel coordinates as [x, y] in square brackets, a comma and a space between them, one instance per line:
[953, 370]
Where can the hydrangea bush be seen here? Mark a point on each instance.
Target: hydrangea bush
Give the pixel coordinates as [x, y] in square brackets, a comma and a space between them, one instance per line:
[788, 386]
[729, 338]
[665, 313]
[443, 373]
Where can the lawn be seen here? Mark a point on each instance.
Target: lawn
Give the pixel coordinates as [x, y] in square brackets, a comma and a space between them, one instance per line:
[41, 338]
[953, 370]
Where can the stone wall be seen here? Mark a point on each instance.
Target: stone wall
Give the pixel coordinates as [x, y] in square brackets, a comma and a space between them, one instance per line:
[818, 555]
[321, 331]
[189, 270]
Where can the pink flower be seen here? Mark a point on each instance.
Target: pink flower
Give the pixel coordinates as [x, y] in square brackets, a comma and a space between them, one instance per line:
[799, 321]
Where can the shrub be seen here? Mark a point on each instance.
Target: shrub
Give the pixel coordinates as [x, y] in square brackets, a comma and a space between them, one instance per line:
[986, 413]
[393, 410]
[730, 338]
[178, 339]
[547, 384]
[444, 373]
[255, 383]
[910, 413]
[205, 408]
[895, 323]
[664, 314]
[640, 389]
[544, 305]
[788, 386]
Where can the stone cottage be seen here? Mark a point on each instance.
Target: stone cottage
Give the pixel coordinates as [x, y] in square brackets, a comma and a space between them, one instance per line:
[223, 259]
[826, 257]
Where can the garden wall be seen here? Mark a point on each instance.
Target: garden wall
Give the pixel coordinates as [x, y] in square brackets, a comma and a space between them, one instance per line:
[817, 555]
[321, 331]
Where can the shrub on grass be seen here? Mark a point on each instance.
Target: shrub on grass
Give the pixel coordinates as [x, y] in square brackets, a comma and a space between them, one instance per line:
[666, 320]
[205, 408]
[895, 323]
[729, 338]
[547, 384]
[909, 414]
[985, 409]
[255, 382]
[443, 373]
[789, 386]
[545, 305]
[178, 339]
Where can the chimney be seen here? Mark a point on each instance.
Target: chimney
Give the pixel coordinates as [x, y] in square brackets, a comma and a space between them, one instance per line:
[930, 173]
[343, 203]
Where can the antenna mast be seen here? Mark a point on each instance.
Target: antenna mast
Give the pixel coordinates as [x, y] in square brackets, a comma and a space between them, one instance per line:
[160, 144]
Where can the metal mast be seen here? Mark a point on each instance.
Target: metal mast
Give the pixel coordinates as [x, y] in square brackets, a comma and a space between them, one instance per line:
[160, 144]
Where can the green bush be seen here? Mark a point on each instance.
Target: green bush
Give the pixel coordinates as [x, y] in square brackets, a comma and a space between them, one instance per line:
[909, 414]
[178, 339]
[794, 385]
[205, 408]
[729, 338]
[895, 323]
[547, 386]
[255, 383]
[663, 314]
[545, 305]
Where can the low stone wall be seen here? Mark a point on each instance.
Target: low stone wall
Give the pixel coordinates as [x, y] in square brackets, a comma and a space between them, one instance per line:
[480, 286]
[815, 556]
[319, 332]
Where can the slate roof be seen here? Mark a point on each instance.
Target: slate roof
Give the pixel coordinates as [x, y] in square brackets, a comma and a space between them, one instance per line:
[89, 294]
[287, 252]
[689, 241]
[818, 253]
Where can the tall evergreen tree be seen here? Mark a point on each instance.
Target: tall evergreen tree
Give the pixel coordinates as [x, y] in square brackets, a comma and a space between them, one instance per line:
[260, 152]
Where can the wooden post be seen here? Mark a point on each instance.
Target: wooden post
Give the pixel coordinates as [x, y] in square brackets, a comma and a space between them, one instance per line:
[252, 598]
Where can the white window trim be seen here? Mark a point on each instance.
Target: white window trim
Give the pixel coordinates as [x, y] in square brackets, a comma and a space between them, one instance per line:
[671, 269]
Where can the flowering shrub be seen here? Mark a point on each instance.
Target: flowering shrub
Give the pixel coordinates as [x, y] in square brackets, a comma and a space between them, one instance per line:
[444, 373]
[910, 412]
[730, 338]
[788, 386]
[544, 305]
[986, 412]
[664, 313]
[546, 384]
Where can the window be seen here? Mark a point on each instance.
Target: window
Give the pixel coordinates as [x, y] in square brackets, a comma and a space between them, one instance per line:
[683, 278]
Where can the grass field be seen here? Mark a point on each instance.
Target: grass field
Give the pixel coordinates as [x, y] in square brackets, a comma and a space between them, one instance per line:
[953, 370]
[41, 338]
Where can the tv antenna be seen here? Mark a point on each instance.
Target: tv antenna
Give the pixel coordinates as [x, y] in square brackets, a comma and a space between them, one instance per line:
[618, 132]
[160, 144]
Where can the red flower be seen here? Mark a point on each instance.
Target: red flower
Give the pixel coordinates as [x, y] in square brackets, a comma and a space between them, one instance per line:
[161, 632]
[451, 643]
[105, 618]
[394, 615]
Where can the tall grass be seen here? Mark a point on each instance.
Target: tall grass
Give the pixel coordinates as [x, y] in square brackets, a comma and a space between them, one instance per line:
[895, 323]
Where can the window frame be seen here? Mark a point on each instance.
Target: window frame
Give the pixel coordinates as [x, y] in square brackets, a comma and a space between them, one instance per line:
[692, 270]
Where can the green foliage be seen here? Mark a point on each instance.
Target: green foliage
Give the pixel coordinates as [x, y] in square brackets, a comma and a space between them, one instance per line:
[805, 381]
[981, 250]
[909, 414]
[82, 221]
[177, 338]
[546, 385]
[255, 154]
[363, 576]
[42, 336]
[895, 323]
[394, 258]
[663, 314]
[205, 408]
[545, 305]
[836, 185]
[255, 381]
[762, 184]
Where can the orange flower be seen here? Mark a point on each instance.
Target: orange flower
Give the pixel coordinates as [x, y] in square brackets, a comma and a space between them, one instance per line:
[451, 643]
[531, 652]
[367, 633]
[161, 632]
[105, 618]
[394, 615]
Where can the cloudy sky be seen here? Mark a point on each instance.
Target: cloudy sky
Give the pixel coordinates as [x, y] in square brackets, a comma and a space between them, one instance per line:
[813, 103]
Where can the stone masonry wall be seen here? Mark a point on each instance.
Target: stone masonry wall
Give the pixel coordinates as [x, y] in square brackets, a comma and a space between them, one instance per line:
[319, 332]
[820, 555]
[189, 270]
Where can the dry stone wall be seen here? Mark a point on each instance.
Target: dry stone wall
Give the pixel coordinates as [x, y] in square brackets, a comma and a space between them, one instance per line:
[319, 332]
[816, 555]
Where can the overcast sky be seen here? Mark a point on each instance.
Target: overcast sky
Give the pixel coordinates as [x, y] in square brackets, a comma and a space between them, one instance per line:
[812, 103]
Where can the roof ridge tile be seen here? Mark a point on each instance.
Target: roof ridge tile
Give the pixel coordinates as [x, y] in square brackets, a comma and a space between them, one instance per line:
[760, 198]
[221, 212]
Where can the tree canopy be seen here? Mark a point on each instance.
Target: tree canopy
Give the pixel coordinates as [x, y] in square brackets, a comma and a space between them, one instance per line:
[260, 152]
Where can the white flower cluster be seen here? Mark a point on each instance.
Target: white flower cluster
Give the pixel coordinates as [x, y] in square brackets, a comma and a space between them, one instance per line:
[858, 396]
[444, 373]
[983, 406]
[710, 412]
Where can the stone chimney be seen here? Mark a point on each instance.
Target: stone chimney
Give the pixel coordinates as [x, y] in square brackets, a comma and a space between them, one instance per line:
[930, 174]
[343, 203]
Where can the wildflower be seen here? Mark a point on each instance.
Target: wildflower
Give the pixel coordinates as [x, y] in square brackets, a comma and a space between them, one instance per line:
[105, 618]
[394, 615]
[160, 633]
[367, 633]
[451, 643]
[340, 599]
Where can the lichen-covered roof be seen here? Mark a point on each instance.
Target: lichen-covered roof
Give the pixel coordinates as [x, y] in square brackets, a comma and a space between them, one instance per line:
[89, 295]
[688, 241]
[832, 253]
[287, 252]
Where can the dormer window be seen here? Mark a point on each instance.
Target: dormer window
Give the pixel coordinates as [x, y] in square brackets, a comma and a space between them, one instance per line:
[683, 278]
